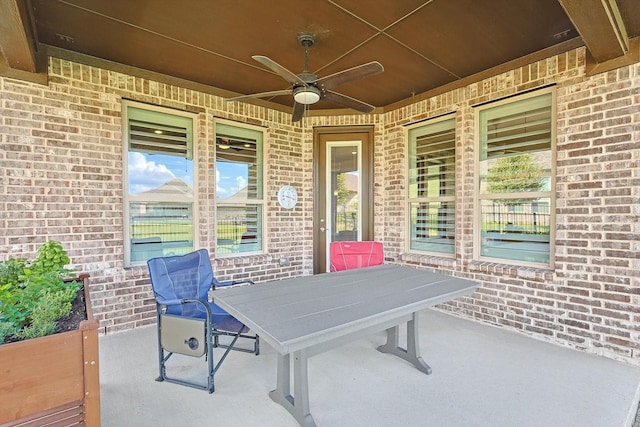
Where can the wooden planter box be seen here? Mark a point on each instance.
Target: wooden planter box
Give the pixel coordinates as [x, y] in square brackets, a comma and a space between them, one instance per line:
[52, 379]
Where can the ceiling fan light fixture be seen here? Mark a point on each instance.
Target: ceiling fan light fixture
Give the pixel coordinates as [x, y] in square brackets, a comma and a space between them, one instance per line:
[307, 95]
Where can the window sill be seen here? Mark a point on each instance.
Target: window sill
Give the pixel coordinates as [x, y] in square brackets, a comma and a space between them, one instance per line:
[522, 272]
[240, 259]
[436, 261]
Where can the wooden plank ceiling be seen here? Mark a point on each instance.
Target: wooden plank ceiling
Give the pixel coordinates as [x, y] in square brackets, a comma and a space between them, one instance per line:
[423, 45]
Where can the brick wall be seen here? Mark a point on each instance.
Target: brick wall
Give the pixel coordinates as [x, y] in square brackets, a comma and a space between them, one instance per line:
[590, 300]
[61, 178]
[61, 160]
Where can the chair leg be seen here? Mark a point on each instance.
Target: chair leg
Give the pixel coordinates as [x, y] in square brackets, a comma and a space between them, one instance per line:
[256, 338]
[161, 368]
[228, 348]
[210, 365]
[173, 333]
[212, 341]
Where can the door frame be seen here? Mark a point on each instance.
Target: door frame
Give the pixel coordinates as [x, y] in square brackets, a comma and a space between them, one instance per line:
[322, 135]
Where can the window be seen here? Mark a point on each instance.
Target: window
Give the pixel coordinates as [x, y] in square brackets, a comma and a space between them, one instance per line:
[239, 194]
[432, 187]
[515, 179]
[159, 175]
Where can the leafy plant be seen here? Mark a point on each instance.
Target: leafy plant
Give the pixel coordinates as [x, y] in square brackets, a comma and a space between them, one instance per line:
[34, 294]
[51, 307]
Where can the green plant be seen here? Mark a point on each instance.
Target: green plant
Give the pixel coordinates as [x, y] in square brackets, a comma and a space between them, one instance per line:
[51, 307]
[34, 294]
[6, 329]
[515, 174]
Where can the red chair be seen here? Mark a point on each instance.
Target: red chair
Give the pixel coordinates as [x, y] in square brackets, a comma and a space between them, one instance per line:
[346, 255]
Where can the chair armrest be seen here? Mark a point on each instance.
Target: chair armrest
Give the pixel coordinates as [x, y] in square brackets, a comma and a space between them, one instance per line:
[203, 303]
[217, 283]
[182, 301]
[169, 301]
[238, 282]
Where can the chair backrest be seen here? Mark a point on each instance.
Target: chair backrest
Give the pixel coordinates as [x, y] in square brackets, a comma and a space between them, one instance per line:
[182, 276]
[349, 255]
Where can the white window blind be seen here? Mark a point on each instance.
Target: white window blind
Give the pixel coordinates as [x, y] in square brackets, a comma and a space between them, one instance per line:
[435, 154]
[432, 187]
[521, 127]
[154, 132]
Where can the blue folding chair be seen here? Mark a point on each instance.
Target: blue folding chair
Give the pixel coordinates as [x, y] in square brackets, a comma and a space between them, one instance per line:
[188, 322]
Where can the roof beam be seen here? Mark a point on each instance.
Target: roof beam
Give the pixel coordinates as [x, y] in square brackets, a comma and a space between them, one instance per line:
[20, 55]
[17, 40]
[600, 24]
[603, 31]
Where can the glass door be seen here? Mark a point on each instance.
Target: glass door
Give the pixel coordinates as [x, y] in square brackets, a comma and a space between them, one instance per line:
[343, 190]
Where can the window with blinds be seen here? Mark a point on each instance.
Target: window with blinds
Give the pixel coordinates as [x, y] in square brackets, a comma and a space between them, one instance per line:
[153, 132]
[159, 171]
[239, 189]
[155, 138]
[515, 172]
[432, 187]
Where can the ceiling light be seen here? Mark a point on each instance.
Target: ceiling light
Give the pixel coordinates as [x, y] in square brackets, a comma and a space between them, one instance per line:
[306, 95]
[223, 146]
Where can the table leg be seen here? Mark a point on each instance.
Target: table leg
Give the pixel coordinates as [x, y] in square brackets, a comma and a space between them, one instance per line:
[412, 352]
[298, 404]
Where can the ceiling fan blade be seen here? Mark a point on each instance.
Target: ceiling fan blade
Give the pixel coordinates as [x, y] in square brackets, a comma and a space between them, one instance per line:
[298, 112]
[262, 95]
[347, 101]
[279, 70]
[350, 74]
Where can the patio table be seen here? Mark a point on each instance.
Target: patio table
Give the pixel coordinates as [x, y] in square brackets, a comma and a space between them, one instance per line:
[304, 316]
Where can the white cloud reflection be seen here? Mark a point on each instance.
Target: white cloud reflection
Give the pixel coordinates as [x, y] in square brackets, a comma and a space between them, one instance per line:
[146, 174]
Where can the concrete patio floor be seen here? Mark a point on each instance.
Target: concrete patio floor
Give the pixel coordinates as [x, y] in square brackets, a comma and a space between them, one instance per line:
[482, 376]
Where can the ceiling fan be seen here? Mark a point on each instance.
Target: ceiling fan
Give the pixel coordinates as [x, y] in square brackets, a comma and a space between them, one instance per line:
[307, 88]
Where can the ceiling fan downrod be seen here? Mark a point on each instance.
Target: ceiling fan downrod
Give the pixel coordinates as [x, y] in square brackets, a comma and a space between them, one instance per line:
[308, 94]
[306, 40]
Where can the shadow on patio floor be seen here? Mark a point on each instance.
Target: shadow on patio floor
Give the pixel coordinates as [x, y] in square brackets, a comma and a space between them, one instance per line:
[482, 376]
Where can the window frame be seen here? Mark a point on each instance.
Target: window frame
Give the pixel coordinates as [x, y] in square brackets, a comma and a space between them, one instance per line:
[126, 104]
[430, 123]
[262, 202]
[550, 193]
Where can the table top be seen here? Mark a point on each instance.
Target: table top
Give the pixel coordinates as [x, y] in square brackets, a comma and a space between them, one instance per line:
[300, 312]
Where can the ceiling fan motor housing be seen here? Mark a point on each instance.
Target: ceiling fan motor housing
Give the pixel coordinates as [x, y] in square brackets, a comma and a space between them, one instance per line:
[306, 94]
